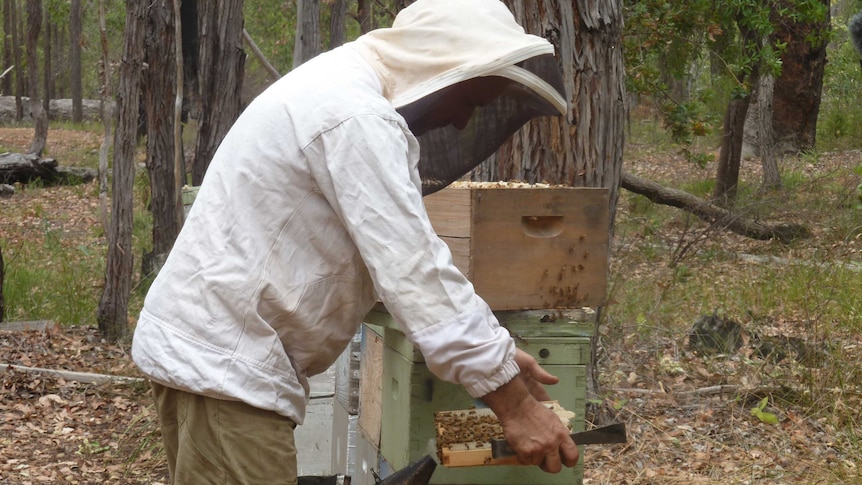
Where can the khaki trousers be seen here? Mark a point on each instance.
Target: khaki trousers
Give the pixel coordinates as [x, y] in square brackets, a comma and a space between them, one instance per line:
[211, 441]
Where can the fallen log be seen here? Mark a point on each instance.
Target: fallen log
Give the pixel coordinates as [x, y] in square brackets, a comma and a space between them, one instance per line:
[26, 168]
[712, 213]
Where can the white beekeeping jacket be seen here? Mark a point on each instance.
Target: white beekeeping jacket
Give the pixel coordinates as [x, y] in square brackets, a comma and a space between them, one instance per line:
[311, 211]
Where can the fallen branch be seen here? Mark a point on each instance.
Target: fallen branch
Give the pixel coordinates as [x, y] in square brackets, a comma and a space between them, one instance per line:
[719, 390]
[273, 72]
[83, 377]
[712, 213]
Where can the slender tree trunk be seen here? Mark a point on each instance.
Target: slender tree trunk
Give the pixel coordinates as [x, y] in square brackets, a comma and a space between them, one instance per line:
[337, 16]
[191, 61]
[114, 304]
[40, 118]
[159, 96]
[365, 14]
[307, 43]
[6, 82]
[733, 131]
[768, 156]
[59, 61]
[2, 280]
[75, 61]
[222, 62]
[179, 152]
[107, 118]
[730, 152]
[14, 13]
[46, 62]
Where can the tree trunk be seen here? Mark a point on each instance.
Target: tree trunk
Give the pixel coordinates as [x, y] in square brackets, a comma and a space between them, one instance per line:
[733, 131]
[179, 98]
[14, 13]
[798, 89]
[47, 85]
[191, 53]
[401, 4]
[307, 42]
[6, 81]
[222, 62]
[2, 280]
[337, 16]
[40, 118]
[75, 61]
[585, 148]
[159, 94]
[114, 304]
[730, 152]
[712, 213]
[365, 15]
[105, 148]
[59, 62]
[766, 135]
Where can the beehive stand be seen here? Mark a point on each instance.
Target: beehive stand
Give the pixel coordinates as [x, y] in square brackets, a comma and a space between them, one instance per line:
[538, 256]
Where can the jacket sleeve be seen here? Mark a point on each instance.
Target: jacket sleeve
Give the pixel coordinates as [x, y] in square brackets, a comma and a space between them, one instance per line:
[366, 167]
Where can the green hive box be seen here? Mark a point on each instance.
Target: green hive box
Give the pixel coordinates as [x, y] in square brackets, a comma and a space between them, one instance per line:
[411, 395]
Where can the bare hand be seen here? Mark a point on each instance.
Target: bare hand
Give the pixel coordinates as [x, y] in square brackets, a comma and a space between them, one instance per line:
[535, 432]
[534, 376]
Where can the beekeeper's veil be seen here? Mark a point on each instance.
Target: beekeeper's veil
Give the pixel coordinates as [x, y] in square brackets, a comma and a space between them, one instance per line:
[434, 44]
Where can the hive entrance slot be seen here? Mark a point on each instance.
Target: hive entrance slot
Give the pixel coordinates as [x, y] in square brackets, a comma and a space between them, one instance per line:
[542, 226]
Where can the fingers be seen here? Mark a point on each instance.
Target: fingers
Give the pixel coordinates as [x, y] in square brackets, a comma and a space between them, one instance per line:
[531, 368]
[551, 451]
[567, 455]
[543, 376]
[552, 463]
[569, 452]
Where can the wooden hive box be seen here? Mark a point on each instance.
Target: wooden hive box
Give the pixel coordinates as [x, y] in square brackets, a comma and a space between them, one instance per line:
[527, 246]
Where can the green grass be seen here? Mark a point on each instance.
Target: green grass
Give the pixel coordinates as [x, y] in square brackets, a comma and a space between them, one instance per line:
[54, 269]
[52, 281]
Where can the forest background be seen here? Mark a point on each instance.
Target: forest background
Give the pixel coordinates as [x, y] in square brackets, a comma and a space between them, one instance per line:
[780, 404]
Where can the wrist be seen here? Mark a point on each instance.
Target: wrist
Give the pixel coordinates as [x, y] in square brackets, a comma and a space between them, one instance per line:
[510, 400]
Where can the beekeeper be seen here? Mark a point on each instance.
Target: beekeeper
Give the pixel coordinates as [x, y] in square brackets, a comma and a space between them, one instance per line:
[311, 211]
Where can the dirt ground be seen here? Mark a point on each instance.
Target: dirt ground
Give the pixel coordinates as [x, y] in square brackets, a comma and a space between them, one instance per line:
[686, 427]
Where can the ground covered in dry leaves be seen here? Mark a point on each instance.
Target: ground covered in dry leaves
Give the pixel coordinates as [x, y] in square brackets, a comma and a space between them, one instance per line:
[54, 430]
[689, 418]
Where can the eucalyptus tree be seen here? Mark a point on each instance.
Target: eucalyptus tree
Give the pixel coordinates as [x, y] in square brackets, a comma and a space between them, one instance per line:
[739, 39]
[159, 95]
[584, 148]
[220, 75]
[75, 40]
[40, 117]
[307, 43]
[112, 314]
